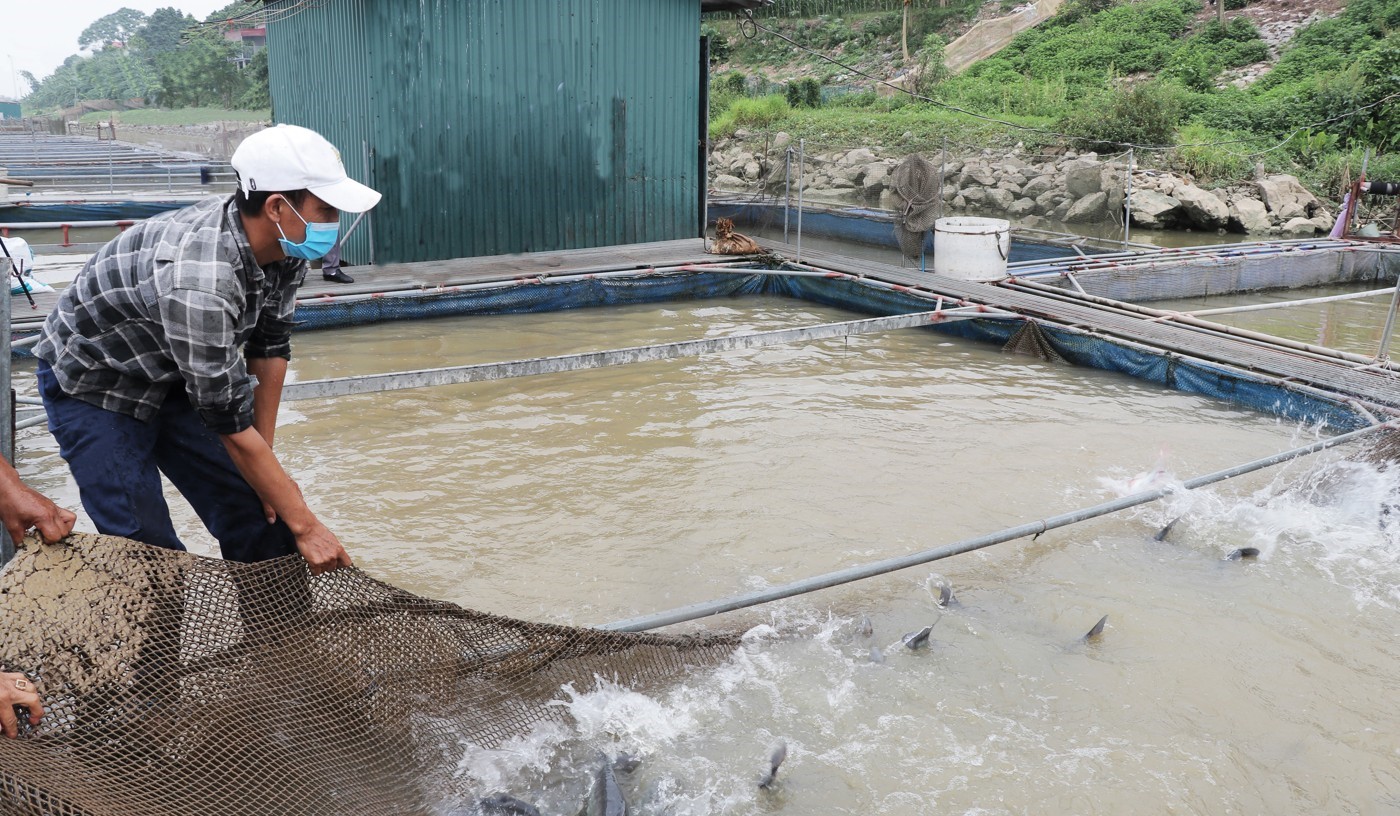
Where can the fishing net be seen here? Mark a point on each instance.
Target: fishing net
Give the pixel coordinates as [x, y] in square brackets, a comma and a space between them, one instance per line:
[176, 684]
[917, 187]
[1030, 339]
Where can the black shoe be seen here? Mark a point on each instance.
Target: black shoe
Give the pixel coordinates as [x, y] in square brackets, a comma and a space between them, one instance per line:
[338, 276]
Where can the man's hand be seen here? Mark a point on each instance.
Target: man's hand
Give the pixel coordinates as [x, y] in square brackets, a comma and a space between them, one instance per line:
[16, 690]
[22, 507]
[321, 549]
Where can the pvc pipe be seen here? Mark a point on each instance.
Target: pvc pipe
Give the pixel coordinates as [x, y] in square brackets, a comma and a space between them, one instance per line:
[831, 579]
[1283, 304]
[1195, 323]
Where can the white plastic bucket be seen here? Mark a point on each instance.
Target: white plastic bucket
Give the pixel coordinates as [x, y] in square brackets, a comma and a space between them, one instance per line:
[971, 248]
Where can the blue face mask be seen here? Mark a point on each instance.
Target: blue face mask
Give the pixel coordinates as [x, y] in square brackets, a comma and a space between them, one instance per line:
[319, 239]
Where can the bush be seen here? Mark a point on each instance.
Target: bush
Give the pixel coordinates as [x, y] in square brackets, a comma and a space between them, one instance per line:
[1145, 114]
[804, 93]
[744, 112]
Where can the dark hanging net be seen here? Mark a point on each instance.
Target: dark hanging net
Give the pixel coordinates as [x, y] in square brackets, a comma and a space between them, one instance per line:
[1030, 339]
[916, 186]
[176, 684]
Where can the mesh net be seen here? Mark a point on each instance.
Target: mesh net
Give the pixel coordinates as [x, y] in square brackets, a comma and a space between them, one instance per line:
[176, 684]
[1029, 339]
[916, 188]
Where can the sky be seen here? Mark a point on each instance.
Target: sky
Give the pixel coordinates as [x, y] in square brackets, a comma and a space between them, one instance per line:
[40, 34]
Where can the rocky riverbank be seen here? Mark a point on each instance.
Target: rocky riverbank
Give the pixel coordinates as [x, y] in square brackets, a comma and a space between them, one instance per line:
[1065, 186]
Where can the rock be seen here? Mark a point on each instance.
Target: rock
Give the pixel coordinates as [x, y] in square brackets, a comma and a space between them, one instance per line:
[1009, 186]
[875, 179]
[959, 203]
[1301, 227]
[842, 183]
[1323, 223]
[1047, 201]
[1021, 208]
[781, 140]
[1000, 198]
[1061, 211]
[952, 167]
[1083, 179]
[729, 182]
[752, 171]
[860, 155]
[741, 134]
[1088, 208]
[1292, 209]
[1202, 207]
[1038, 185]
[1280, 190]
[1153, 210]
[1249, 215]
[976, 175]
[975, 195]
[949, 192]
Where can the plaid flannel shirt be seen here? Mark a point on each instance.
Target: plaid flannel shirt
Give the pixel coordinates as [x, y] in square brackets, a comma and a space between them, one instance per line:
[170, 302]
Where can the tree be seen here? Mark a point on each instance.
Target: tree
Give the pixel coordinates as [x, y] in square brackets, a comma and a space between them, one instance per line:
[162, 32]
[120, 26]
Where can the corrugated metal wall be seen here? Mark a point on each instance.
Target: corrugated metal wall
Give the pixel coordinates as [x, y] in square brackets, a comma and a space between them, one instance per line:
[497, 126]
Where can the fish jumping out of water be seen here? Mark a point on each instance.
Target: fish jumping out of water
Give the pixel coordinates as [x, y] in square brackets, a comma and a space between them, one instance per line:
[1243, 552]
[503, 804]
[945, 596]
[1166, 531]
[776, 755]
[605, 797]
[917, 640]
[865, 628]
[1096, 632]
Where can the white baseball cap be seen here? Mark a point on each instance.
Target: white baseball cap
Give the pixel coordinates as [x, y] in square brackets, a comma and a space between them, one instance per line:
[286, 158]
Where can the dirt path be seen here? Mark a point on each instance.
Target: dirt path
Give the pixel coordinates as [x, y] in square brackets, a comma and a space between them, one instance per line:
[989, 36]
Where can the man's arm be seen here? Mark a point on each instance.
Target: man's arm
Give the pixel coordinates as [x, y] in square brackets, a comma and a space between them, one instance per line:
[255, 460]
[267, 396]
[22, 507]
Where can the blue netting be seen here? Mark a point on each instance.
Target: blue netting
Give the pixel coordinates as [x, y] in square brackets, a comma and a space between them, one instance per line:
[1098, 352]
[525, 297]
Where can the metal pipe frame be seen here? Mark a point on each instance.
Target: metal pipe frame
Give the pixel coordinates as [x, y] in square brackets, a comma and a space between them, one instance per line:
[831, 579]
[482, 372]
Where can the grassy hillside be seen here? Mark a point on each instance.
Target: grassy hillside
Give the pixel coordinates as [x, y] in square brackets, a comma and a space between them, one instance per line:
[1100, 74]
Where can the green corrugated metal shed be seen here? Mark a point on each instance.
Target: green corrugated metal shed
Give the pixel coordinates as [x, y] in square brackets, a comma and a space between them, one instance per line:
[10, 110]
[498, 126]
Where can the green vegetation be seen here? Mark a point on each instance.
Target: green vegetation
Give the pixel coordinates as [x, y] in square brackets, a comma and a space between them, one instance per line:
[167, 58]
[180, 116]
[1106, 72]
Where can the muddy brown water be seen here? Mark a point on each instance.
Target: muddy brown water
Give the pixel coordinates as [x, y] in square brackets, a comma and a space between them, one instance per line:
[1264, 686]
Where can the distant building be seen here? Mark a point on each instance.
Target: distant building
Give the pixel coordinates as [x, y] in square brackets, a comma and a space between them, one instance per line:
[10, 109]
[500, 126]
[252, 41]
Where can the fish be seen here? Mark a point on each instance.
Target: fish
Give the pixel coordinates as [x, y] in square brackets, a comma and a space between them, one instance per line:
[1093, 634]
[503, 804]
[865, 628]
[626, 763]
[776, 755]
[1243, 552]
[919, 639]
[945, 595]
[1165, 531]
[605, 797]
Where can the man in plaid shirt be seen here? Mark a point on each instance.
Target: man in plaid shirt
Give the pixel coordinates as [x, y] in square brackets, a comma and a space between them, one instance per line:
[168, 352]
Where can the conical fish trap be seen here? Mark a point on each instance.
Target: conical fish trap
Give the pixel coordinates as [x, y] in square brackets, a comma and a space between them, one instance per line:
[916, 187]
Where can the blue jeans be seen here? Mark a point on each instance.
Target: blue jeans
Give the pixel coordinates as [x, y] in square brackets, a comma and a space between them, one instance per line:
[117, 461]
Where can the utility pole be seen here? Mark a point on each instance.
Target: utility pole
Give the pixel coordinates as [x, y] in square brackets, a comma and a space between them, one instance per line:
[904, 33]
[1220, 11]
